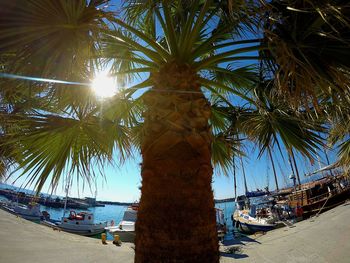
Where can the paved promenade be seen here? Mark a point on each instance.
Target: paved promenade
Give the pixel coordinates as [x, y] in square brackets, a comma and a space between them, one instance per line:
[322, 239]
[22, 241]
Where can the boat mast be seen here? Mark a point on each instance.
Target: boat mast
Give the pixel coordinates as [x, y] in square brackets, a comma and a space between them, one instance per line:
[326, 155]
[273, 167]
[234, 177]
[296, 168]
[66, 199]
[244, 177]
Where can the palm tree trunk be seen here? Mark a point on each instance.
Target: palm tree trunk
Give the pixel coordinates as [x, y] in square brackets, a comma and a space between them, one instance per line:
[176, 218]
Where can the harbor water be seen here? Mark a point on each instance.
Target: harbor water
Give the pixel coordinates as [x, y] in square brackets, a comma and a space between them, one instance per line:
[116, 212]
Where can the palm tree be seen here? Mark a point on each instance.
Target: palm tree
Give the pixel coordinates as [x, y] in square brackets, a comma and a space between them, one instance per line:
[309, 54]
[269, 121]
[339, 123]
[189, 54]
[184, 43]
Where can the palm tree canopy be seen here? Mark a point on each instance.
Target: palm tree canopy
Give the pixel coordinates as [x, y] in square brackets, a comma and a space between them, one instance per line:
[308, 48]
[198, 38]
[206, 39]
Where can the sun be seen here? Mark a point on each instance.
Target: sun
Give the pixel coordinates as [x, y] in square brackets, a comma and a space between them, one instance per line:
[104, 86]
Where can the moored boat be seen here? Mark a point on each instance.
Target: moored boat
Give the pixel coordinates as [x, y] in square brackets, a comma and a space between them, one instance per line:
[320, 195]
[30, 212]
[126, 227]
[249, 218]
[81, 223]
[249, 224]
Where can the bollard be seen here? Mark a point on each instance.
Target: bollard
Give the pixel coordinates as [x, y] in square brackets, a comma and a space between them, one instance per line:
[116, 240]
[103, 238]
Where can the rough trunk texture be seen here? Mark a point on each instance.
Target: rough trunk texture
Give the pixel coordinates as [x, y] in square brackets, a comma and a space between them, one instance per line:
[176, 217]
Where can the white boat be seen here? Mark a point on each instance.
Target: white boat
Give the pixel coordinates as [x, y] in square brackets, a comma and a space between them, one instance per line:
[29, 212]
[249, 219]
[247, 223]
[82, 224]
[126, 228]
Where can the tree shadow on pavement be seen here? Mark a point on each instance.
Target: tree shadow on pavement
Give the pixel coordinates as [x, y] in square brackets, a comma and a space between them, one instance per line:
[232, 248]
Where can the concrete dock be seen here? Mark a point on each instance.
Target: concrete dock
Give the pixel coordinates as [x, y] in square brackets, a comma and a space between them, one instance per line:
[322, 239]
[28, 242]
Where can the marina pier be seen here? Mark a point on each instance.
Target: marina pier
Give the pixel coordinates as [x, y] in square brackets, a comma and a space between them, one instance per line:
[319, 239]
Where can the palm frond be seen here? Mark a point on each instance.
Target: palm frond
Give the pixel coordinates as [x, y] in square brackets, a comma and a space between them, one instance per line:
[49, 145]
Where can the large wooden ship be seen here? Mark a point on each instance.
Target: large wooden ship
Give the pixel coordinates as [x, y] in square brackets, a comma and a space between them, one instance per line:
[320, 195]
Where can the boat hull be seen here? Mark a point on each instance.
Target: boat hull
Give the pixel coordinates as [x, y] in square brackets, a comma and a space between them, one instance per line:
[253, 228]
[125, 236]
[22, 213]
[82, 231]
[247, 224]
[326, 203]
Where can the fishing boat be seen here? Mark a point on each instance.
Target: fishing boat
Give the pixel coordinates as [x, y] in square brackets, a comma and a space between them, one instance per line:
[126, 227]
[81, 223]
[30, 212]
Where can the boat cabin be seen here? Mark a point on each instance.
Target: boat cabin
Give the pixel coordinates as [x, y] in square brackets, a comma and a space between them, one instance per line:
[83, 217]
[130, 215]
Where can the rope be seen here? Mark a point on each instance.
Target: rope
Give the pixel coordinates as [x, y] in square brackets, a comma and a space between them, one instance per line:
[323, 206]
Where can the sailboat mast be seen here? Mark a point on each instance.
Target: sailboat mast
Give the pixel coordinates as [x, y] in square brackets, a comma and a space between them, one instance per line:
[244, 177]
[234, 177]
[66, 199]
[273, 167]
[296, 168]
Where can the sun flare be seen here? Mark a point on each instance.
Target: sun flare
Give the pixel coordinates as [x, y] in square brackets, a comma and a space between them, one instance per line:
[104, 86]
